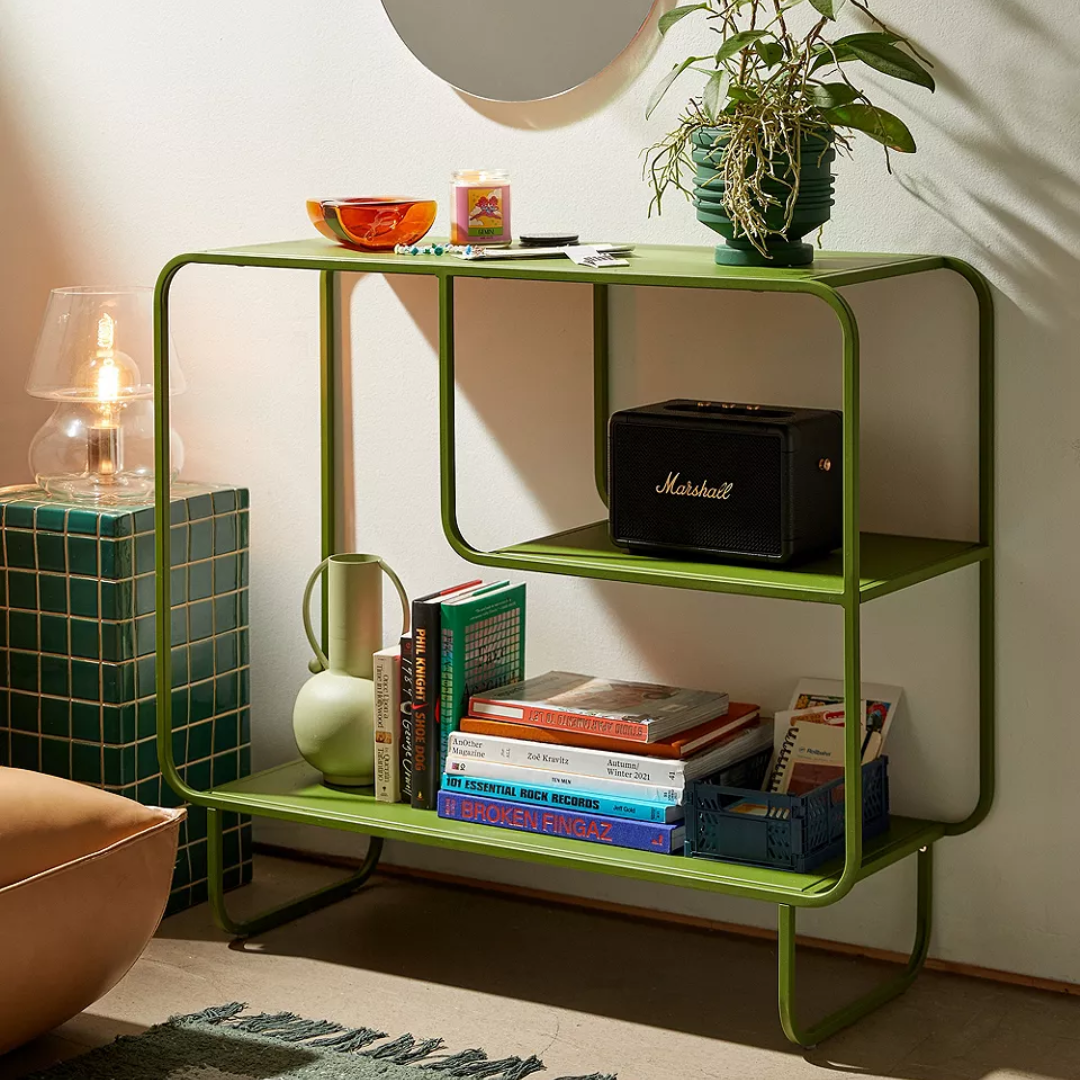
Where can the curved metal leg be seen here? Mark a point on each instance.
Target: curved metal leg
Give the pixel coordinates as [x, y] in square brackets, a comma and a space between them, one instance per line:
[283, 913]
[877, 997]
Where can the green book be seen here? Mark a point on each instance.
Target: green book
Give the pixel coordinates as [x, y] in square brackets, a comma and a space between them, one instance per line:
[483, 646]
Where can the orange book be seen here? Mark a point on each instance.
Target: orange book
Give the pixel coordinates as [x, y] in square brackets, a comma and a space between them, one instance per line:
[683, 745]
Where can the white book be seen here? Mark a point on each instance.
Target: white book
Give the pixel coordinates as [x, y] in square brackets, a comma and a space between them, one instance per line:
[524, 776]
[639, 768]
[387, 664]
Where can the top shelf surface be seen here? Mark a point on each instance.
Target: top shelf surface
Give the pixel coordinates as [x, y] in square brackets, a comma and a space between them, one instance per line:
[650, 264]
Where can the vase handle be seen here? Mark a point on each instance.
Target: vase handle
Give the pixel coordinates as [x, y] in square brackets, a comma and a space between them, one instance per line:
[321, 663]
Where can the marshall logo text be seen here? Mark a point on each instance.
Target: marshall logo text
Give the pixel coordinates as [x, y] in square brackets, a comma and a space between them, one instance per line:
[671, 486]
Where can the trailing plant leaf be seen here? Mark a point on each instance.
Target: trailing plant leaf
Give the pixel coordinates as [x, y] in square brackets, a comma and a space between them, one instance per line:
[831, 95]
[715, 93]
[771, 52]
[668, 20]
[890, 60]
[887, 129]
[828, 8]
[840, 52]
[738, 42]
[665, 83]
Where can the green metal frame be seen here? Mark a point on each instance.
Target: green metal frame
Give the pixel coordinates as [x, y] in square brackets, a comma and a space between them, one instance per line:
[286, 794]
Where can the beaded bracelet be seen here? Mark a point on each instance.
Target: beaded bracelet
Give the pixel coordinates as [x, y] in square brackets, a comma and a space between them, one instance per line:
[433, 249]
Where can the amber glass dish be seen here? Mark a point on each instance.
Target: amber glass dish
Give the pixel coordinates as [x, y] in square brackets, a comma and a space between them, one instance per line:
[374, 224]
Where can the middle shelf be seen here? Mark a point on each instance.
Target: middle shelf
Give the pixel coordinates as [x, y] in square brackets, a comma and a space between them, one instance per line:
[887, 563]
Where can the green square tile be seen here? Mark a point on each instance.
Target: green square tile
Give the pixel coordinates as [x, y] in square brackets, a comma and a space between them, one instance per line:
[86, 763]
[110, 725]
[144, 520]
[118, 641]
[200, 506]
[22, 591]
[226, 692]
[19, 516]
[199, 774]
[4, 629]
[3, 589]
[4, 668]
[146, 675]
[117, 524]
[245, 602]
[144, 553]
[23, 630]
[112, 759]
[178, 625]
[179, 699]
[180, 665]
[86, 721]
[83, 593]
[200, 740]
[145, 596]
[86, 639]
[25, 751]
[225, 534]
[56, 757]
[226, 574]
[224, 501]
[243, 498]
[83, 521]
[146, 718]
[5, 747]
[146, 759]
[50, 519]
[24, 712]
[51, 553]
[227, 653]
[178, 511]
[85, 680]
[179, 748]
[244, 681]
[245, 727]
[202, 700]
[117, 559]
[224, 769]
[178, 545]
[148, 792]
[24, 672]
[178, 584]
[82, 554]
[200, 620]
[118, 683]
[226, 732]
[245, 760]
[145, 635]
[226, 613]
[54, 593]
[201, 664]
[54, 634]
[242, 530]
[118, 599]
[201, 540]
[20, 549]
[128, 728]
[200, 580]
[55, 678]
[197, 855]
[56, 717]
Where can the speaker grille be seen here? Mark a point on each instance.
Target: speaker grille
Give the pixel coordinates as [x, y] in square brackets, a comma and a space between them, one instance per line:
[747, 522]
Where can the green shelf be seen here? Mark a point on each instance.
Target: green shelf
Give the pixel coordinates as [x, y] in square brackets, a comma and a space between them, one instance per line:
[888, 563]
[293, 792]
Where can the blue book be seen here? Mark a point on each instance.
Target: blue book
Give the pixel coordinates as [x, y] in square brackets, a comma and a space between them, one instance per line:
[562, 799]
[570, 824]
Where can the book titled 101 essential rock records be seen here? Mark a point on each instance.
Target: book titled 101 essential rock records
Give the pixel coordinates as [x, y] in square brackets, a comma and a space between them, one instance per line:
[640, 712]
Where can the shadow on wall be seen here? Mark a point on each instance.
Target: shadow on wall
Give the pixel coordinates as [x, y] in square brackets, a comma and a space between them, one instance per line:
[34, 263]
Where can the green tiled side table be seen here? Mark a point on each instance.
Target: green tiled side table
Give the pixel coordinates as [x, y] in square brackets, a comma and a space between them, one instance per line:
[77, 664]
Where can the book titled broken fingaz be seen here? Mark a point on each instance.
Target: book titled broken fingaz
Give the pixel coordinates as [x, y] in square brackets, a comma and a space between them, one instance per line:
[593, 828]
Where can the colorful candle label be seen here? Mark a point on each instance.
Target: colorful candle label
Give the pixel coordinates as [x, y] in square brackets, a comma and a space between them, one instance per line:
[485, 207]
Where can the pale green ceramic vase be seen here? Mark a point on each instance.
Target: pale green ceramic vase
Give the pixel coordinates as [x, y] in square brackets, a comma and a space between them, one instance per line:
[334, 715]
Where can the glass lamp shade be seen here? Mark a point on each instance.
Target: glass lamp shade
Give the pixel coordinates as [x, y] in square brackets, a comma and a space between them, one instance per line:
[95, 359]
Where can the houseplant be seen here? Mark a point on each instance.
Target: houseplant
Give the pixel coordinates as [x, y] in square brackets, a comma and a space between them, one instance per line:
[781, 97]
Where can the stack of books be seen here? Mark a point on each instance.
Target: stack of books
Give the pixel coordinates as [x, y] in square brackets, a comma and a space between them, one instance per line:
[595, 760]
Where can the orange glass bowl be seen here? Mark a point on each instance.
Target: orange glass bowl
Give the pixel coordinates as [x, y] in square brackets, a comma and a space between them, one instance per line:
[375, 224]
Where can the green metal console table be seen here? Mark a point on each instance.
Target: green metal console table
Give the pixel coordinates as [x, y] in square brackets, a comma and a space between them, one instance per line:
[868, 566]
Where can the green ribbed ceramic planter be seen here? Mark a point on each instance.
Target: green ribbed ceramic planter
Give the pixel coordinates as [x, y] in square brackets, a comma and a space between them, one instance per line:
[813, 206]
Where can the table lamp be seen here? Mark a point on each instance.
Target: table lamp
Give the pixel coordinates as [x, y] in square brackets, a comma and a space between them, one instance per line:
[94, 357]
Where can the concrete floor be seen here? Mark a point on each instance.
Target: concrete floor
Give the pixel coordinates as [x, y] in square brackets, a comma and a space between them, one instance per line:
[585, 991]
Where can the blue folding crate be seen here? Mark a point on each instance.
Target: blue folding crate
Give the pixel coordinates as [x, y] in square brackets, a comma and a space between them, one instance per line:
[797, 832]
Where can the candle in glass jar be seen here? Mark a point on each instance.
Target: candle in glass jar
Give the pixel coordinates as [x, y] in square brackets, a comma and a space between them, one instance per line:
[480, 207]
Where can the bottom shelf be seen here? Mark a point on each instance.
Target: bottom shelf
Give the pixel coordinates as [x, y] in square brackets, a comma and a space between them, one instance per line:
[293, 792]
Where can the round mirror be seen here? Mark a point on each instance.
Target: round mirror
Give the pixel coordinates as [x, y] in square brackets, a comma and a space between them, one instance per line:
[517, 50]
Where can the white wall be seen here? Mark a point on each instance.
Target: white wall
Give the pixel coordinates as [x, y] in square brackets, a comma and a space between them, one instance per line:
[132, 131]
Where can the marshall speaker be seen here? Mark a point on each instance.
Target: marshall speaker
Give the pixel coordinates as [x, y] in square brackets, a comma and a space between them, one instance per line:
[755, 483]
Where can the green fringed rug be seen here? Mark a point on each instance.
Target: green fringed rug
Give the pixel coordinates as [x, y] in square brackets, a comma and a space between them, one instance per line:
[222, 1043]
